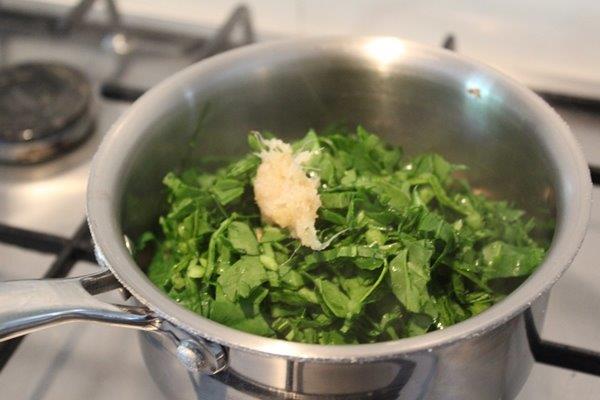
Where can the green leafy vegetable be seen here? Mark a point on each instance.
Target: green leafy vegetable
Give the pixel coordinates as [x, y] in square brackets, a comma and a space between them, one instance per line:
[242, 238]
[242, 277]
[409, 275]
[412, 248]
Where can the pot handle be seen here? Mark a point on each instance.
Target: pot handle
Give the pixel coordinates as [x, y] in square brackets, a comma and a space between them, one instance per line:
[30, 305]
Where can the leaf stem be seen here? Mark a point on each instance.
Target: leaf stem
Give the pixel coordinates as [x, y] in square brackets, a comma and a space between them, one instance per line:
[210, 265]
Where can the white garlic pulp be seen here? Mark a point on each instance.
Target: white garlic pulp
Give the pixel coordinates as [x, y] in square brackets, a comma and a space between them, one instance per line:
[285, 195]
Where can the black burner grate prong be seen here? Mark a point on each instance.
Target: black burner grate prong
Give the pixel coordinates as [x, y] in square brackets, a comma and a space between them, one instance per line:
[595, 174]
[558, 354]
[44, 242]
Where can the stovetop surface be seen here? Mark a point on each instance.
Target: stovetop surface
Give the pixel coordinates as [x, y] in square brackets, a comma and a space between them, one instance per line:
[97, 362]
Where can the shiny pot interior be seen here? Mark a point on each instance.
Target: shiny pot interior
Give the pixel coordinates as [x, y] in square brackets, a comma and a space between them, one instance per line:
[424, 99]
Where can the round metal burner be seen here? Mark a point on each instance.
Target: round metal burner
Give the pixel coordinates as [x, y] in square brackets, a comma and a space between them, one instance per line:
[45, 109]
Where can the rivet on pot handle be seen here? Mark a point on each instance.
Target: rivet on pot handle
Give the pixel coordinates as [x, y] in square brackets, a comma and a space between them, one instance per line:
[199, 356]
[30, 305]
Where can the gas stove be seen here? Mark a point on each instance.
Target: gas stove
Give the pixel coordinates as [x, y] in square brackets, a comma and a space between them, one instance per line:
[42, 199]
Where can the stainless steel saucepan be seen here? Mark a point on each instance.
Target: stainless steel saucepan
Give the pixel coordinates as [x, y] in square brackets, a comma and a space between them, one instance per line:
[425, 99]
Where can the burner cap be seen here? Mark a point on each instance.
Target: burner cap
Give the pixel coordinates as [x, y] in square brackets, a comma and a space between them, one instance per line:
[45, 109]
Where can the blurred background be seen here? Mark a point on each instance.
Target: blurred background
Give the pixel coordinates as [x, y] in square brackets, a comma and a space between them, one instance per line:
[69, 69]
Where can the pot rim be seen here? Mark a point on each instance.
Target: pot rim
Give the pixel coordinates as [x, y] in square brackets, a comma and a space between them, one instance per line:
[572, 181]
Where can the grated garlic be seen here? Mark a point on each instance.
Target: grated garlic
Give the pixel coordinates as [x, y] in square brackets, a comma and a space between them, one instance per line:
[285, 195]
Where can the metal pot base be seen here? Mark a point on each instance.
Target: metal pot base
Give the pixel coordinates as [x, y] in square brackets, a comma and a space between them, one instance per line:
[493, 364]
